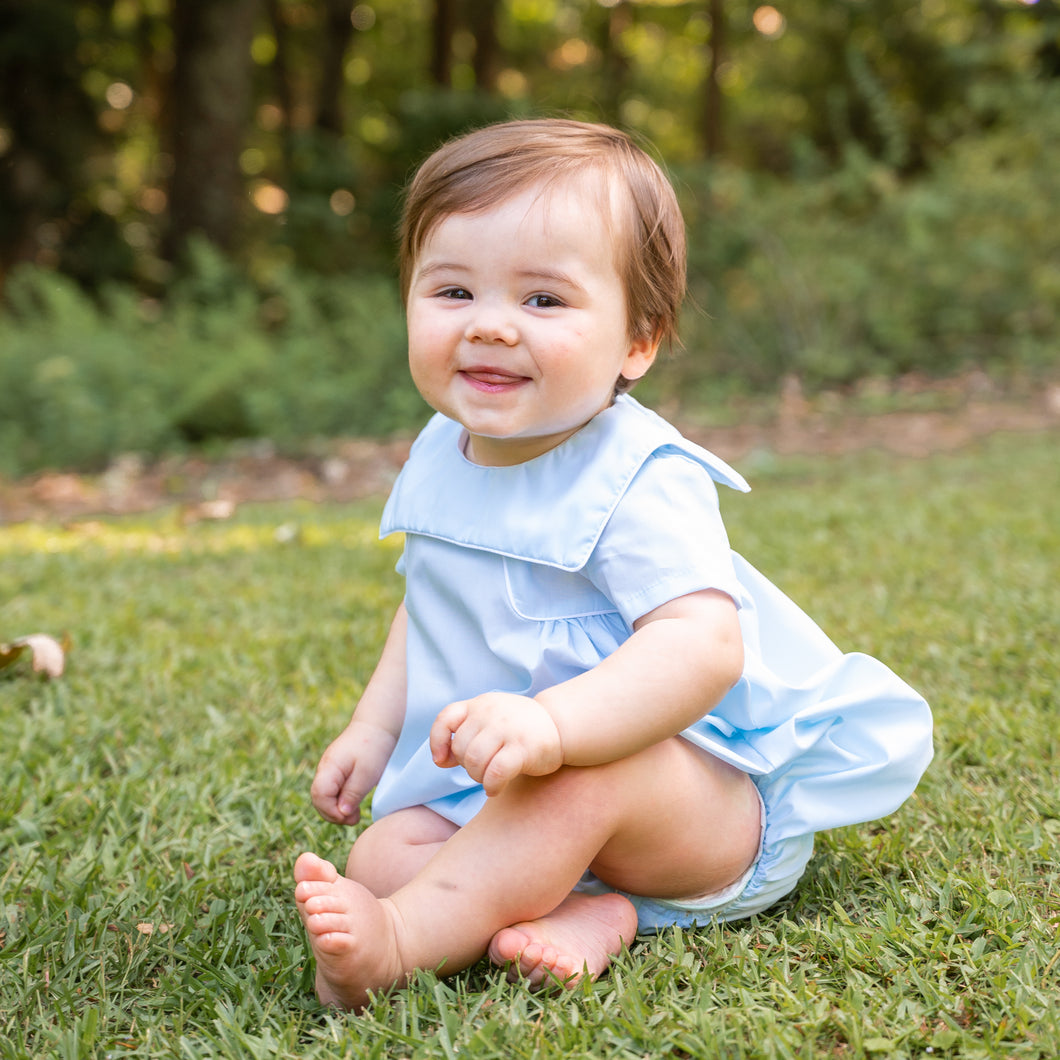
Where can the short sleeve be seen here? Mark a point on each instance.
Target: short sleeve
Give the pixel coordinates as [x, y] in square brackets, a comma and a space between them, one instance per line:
[665, 539]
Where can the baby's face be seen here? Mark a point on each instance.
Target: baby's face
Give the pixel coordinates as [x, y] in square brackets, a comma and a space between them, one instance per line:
[517, 322]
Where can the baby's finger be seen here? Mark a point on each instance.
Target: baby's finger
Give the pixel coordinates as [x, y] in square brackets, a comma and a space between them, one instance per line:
[502, 769]
[444, 728]
[479, 753]
[348, 803]
[324, 793]
[328, 809]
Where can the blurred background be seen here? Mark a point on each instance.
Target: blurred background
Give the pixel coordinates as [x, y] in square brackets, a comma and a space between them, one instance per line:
[198, 200]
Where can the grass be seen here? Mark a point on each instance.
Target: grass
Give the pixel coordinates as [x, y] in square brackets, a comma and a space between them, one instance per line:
[152, 800]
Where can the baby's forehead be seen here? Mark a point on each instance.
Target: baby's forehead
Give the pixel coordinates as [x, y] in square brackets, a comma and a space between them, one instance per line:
[594, 193]
[583, 201]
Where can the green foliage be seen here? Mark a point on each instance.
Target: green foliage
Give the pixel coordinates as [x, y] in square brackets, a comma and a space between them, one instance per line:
[86, 179]
[75, 388]
[153, 800]
[860, 273]
[221, 359]
[422, 121]
[895, 79]
[44, 178]
[834, 278]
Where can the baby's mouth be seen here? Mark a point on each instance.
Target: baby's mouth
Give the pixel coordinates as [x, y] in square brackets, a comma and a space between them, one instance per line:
[492, 378]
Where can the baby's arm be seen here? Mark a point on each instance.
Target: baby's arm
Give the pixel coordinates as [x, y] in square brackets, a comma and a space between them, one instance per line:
[680, 661]
[354, 761]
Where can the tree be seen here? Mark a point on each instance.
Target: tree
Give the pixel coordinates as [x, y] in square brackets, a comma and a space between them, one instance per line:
[211, 98]
[479, 18]
[614, 63]
[48, 129]
[338, 31]
[108, 105]
[443, 26]
[713, 135]
[482, 22]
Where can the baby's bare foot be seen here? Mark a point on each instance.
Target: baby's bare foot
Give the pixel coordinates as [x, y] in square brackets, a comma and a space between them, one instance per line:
[577, 938]
[351, 932]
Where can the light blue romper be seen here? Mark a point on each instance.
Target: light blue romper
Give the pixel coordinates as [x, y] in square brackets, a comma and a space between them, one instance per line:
[518, 578]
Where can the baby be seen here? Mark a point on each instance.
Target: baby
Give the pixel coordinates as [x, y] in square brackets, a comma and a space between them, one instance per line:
[591, 717]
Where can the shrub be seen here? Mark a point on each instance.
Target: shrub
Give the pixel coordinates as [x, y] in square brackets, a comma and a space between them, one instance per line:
[853, 274]
[858, 274]
[76, 386]
[82, 381]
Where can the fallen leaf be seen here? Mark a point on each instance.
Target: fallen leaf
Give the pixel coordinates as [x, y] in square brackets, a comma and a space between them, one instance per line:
[9, 653]
[47, 654]
[217, 510]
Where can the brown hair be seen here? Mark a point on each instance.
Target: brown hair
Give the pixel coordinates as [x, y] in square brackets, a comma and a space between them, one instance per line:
[483, 168]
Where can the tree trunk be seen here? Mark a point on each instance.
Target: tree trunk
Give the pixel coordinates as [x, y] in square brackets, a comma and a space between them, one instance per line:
[615, 65]
[281, 68]
[338, 31]
[211, 91]
[713, 120]
[483, 18]
[442, 27]
[48, 126]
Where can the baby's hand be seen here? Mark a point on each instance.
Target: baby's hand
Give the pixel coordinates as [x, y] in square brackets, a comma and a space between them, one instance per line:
[496, 737]
[348, 770]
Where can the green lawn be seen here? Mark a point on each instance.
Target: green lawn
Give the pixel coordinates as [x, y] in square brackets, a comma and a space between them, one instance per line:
[152, 801]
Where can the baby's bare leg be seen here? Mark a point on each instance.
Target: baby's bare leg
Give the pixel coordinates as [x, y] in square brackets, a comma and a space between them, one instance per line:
[667, 821]
[716, 844]
[392, 850]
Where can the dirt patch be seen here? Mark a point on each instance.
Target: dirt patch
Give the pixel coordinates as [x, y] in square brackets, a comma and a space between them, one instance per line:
[937, 417]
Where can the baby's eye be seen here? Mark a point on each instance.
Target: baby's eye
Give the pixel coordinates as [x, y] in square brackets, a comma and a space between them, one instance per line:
[543, 301]
[456, 293]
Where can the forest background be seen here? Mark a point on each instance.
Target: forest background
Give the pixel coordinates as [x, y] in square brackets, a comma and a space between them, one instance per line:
[198, 200]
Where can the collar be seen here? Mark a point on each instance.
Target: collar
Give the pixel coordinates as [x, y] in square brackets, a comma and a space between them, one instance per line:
[551, 509]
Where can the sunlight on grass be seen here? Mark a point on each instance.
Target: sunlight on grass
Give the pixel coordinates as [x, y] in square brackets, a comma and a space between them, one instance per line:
[153, 800]
[153, 536]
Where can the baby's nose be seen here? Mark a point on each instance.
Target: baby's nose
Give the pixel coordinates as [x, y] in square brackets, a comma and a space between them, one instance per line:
[492, 324]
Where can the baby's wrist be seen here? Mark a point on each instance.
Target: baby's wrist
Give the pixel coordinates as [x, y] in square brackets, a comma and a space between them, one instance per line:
[554, 715]
[370, 730]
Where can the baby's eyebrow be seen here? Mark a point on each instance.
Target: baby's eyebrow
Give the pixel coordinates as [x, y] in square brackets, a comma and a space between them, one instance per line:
[440, 266]
[548, 277]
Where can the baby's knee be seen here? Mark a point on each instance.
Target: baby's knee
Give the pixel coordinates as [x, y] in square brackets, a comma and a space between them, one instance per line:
[387, 845]
[412, 826]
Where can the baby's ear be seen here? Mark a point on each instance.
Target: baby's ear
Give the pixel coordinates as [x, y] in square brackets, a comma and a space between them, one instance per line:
[640, 357]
